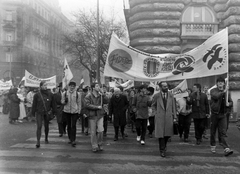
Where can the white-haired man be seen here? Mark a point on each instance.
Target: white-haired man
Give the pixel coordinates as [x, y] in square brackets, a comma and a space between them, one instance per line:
[117, 107]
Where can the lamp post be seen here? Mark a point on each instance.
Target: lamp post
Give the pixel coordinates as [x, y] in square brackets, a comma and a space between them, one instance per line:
[98, 58]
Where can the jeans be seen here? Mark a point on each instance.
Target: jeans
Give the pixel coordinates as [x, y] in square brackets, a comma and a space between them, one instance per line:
[218, 122]
[71, 125]
[105, 122]
[96, 127]
[141, 128]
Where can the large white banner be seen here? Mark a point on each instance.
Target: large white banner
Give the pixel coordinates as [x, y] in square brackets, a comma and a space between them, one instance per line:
[5, 85]
[210, 58]
[33, 81]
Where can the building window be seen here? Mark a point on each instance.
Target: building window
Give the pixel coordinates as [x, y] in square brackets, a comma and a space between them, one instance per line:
[198, 14]
[9, 37]
[8, 57]
[9, 15]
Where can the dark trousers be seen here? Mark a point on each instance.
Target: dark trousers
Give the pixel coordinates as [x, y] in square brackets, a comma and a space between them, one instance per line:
[141, 128]
[105, 122]
[218, 122]
[71, 125]
[116, 129]
[199, 127]
[184, 123]
[163, 143]
[151, 124]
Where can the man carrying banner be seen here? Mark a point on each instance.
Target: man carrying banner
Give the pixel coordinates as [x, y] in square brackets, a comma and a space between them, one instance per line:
[218, 115]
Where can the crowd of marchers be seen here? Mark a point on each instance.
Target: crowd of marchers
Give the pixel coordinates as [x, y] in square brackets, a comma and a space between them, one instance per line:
[148, 110]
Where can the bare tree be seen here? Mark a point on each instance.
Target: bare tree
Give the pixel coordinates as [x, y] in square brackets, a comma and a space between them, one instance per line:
[81, 42]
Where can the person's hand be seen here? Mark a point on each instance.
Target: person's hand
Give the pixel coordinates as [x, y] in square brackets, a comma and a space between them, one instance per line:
[226, 88]
[84, 115]
[99, 107]
[227, 104]
[208, 115]
[134, 110]
[175, 120]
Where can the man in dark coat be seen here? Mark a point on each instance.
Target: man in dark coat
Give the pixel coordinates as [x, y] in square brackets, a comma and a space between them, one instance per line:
[200, 110]
[117, 107]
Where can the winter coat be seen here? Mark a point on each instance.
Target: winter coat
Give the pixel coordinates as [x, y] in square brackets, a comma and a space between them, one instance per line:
[117, 108]
[199, 112]
[59, 106]
[164, 117]
[141, 104]
[74, 102]
[217, 97]
[92, 102]
[14, 104]
[38, 106]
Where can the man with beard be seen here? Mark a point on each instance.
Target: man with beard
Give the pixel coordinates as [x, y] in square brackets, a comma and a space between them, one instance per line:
[117, 107]
[218, 115]
[165, 114]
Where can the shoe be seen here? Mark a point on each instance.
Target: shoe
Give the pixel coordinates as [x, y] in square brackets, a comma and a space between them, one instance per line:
[46, 141]
[37, 145]
[70, 142]
[126, 135]
[100, 147]
[73, 143]
[163, 154]
[115, 139]
[205, 137]
[213, 149]
[123, 136]
[186, 140]
[138, 138]
[150, 135]
[94, 150]
[228, 152]
[60, 135]
[86, 133]
[142, 142]
[198, 142]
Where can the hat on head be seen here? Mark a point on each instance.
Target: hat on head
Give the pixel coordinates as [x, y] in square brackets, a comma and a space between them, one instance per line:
[42, 83]
[72, 84]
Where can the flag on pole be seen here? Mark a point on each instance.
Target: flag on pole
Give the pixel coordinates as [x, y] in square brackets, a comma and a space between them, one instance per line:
[67, 74]
[81, 83]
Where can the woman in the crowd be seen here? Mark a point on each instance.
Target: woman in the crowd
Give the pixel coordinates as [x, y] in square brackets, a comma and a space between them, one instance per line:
[130, 109]
[43, 101]
[21, 95]
[14, 105]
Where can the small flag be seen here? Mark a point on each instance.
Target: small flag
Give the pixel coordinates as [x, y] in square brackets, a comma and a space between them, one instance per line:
[67, 74]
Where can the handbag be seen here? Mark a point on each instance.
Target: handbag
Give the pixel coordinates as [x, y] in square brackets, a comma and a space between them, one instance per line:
[49, 114]
[175, 128]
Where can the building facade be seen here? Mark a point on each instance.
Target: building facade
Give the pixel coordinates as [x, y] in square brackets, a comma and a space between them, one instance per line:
[30, 38]
[177, 26]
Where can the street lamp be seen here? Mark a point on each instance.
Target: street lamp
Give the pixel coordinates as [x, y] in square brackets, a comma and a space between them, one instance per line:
[98, 58]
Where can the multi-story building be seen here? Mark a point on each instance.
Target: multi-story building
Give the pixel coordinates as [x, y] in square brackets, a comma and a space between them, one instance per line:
[30, 38]
[177, 26]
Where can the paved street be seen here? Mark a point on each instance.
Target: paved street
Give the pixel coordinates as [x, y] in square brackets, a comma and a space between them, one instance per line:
[19, 155]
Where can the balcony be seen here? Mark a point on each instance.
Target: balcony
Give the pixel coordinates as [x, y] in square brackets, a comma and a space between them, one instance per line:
[198, 30]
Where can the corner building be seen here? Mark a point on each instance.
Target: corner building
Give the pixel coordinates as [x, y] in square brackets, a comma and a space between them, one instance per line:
[177, 26]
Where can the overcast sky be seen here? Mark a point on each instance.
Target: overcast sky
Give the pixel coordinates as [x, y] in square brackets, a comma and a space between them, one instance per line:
[106, 6]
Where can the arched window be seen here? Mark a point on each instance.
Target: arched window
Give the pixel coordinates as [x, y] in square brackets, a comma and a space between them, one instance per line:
[198, 14]
[199, 21]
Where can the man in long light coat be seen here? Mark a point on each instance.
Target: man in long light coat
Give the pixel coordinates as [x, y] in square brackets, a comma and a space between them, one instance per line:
[165, 114]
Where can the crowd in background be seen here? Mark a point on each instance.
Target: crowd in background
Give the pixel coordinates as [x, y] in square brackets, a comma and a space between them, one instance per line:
[147, 110]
